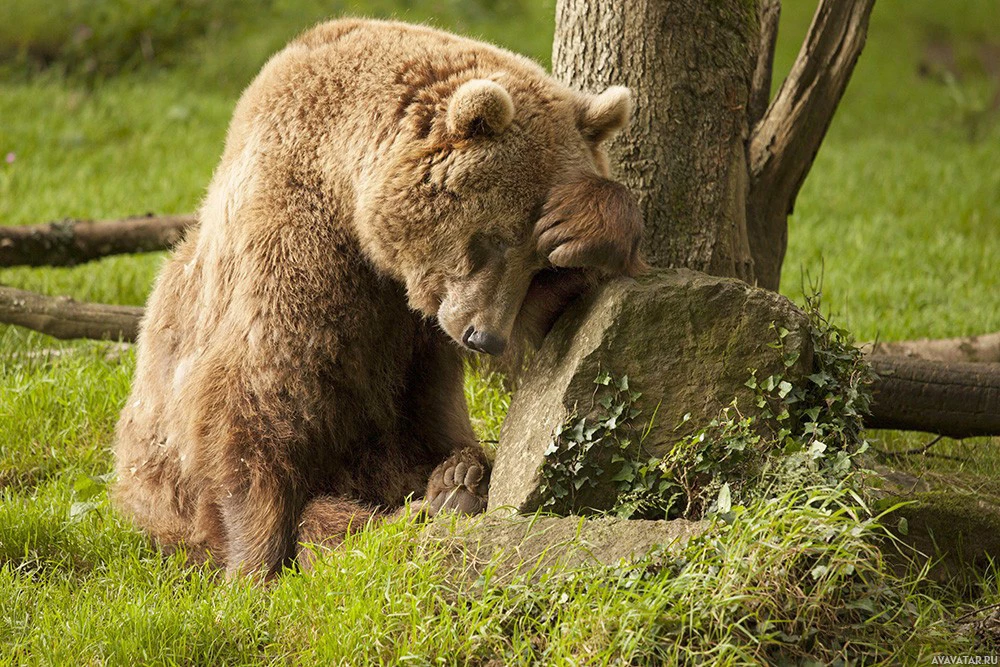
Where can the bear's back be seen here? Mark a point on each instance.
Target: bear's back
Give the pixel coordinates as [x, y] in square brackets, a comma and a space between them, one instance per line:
[374, 74]
[377, 46]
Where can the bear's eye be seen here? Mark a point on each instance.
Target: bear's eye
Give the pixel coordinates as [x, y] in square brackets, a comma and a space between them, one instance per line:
[479, 252]
[485, 248]
[498, 243]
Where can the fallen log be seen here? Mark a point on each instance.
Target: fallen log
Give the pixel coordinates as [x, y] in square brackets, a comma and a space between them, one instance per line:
[981, 349]
[71, 242]
[62, 317]
[955, 399]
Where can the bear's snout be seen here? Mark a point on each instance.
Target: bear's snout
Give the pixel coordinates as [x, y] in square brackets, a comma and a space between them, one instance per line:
[482, 341]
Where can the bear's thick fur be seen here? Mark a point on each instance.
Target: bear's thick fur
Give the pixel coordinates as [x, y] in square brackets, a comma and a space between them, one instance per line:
[388, 195]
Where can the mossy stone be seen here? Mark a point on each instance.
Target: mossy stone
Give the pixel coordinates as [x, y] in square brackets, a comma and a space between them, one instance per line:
[688, 341]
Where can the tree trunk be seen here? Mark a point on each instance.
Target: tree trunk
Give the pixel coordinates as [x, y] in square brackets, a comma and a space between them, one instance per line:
[716, 165]
[690, 65]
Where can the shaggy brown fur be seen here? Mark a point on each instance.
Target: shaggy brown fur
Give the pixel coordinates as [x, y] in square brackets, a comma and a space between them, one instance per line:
[300, 365]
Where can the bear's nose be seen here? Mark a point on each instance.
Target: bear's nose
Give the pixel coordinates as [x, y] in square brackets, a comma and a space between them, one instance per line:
[480, 341]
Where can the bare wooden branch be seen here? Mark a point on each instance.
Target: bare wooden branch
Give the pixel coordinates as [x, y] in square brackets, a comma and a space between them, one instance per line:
[981, 349]
[957, 400]
[785, 142]
[72, 242]
[760, 93]
[63, 317]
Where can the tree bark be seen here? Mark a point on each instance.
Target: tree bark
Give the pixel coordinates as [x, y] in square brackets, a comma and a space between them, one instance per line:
[690, 65]
[62, 317]
[958, 400]
[72, 242]
[785, 142]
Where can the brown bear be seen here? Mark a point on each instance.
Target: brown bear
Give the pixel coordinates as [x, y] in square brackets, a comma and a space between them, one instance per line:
[389, 197]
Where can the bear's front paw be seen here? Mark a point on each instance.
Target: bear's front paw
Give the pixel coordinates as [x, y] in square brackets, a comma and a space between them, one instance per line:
[591, 222]
[460, 484]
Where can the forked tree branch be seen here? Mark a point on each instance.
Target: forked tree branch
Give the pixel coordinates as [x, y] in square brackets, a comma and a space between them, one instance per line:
[72, 242]
[789, 135]
[785, 142]
[760, 94]
[62, 317]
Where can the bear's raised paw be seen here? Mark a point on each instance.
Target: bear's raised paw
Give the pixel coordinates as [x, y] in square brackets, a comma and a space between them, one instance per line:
[460, 484]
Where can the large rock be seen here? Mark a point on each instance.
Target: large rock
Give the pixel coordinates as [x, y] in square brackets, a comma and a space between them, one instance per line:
[687, 341]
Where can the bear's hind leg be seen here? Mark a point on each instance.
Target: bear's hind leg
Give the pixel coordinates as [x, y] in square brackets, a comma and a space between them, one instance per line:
[325, 522]
[259, 513]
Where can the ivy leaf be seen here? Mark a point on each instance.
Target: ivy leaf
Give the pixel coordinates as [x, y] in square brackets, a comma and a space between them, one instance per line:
[603, 378]
[86, 487]
[820, 379]
[725, 501]
[626, 474]
[783, 388]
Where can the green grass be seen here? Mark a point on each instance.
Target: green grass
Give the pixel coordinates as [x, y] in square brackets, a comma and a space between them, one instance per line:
[900, 214]
[795, 576]
[901, 211]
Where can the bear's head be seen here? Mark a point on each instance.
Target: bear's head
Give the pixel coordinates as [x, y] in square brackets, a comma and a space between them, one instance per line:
[499, 184]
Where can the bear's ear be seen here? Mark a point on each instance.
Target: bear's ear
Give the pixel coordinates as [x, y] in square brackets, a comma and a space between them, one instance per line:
[602, 116]
[479, 107]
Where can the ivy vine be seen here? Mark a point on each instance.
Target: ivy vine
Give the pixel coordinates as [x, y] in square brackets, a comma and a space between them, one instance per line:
[801, 430]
